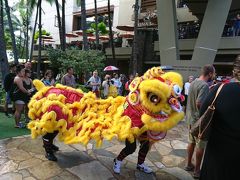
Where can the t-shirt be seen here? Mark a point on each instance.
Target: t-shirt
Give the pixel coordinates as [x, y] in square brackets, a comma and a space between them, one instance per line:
[186, 88]
[68, 80]
[8, 81]
[198, 91]
[95, 80]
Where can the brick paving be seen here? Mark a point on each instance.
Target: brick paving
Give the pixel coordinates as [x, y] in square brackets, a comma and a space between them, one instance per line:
[24, 158]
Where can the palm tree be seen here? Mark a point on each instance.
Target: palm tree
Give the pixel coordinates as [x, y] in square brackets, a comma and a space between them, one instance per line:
[111, 32]
[25, 11]
[133, 67]
[84, 25]
[40, 38]
[34, 29]
[96, 24]
[27, 29]
[32, 5]
[15, 53]
[3, 55]
[63, 26]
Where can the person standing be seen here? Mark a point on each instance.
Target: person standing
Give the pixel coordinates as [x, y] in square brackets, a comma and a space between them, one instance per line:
[8, 82]
[68, 79]
[95, 82]
[107, 83]
[221, 159]
[117, 83]
[48, 138]
[129, 149]
[197, 92]
[236, 26]
[20, 94]
[131, 77]
[28, 66]
[48, 79]
[186, 89]
[28, 85]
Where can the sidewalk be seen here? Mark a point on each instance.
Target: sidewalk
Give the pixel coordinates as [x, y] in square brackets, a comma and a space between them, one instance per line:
[23, 158]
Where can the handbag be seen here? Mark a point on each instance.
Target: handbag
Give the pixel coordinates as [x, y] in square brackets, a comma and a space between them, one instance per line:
[202, 127]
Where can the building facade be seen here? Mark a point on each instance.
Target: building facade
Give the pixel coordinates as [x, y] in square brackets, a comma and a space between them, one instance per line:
[186, 34]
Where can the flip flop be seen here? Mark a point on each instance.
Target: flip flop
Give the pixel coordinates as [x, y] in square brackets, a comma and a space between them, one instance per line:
[189, 168]
[196, 175]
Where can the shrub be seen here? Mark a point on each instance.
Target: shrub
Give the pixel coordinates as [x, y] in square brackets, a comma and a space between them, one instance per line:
[81, 61]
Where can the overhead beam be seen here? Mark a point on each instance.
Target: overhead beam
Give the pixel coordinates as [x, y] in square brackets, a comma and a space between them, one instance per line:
[211, 31]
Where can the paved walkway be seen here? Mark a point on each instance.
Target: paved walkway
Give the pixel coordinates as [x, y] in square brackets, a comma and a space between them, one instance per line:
[23, 158]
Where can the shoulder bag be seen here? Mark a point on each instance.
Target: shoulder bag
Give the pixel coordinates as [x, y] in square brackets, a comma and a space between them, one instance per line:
[202, 127]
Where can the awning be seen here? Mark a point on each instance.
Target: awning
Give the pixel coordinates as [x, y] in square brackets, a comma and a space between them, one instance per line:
[125, 28]
[71, 35]
[46, 37]
[127, 36]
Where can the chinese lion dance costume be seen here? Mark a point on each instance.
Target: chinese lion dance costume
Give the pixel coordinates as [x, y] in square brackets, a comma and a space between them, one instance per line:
[152, 106]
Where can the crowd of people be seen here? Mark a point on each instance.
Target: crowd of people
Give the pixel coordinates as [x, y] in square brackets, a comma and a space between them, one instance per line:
[190, 30]
[221, 149]
[221, 157]
[19, 87]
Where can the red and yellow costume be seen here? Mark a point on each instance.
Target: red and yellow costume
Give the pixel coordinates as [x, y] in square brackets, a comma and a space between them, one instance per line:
[152, 105]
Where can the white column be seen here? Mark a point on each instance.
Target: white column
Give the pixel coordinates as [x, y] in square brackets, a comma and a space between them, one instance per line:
[167, 31]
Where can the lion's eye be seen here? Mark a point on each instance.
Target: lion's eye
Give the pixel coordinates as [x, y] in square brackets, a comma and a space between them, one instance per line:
[177, 90]
[154, 98]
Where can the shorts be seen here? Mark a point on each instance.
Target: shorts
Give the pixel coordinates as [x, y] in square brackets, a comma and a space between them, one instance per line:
[185, 100]
[195, 140]
[20, 102]
[8, 99]
[97, 93]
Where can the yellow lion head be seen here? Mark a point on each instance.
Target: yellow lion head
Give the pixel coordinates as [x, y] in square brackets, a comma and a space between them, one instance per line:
[159, 95]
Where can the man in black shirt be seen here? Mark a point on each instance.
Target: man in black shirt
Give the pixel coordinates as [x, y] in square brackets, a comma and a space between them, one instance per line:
[8, 82]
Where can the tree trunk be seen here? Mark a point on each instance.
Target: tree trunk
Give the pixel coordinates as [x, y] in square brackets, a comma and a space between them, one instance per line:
[63, 26]
[33, 33]
[40, 39]
[84, 25]
[27, 24]
[96, 24]
[15, 53]
[59, 24]
[20, 41]
[133, 67]
[3, 55]
[23, 49]
[111, 33]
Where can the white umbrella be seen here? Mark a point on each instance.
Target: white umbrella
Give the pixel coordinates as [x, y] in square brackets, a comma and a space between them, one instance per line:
[110, 68]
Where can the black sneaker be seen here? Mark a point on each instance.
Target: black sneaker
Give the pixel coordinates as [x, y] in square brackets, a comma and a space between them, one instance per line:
[54, 147]
[51, 157]
[6, 114]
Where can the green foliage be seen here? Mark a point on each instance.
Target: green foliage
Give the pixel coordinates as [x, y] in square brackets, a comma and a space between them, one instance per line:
[102, 28]
[83, 88]
[81, 61]
[2, 96]
[78, 2]
[90, 31]
[44, 32]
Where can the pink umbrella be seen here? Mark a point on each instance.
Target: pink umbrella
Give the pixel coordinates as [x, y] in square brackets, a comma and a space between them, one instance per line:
[110, 68]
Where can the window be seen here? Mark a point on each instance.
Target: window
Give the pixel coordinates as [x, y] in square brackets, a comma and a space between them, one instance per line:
[56, 21]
